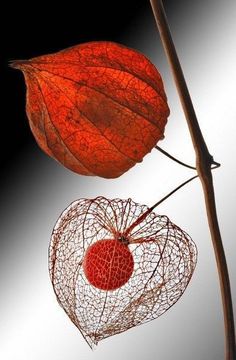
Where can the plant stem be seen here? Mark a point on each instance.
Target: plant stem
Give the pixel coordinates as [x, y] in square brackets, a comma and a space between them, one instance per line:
[174, 158]
[203, 164]
[147, 212]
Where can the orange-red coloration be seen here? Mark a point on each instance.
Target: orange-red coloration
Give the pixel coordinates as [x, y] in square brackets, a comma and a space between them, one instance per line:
[108, 264]
[98, 108]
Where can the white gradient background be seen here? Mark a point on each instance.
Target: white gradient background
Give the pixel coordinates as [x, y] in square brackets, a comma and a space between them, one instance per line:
[33, 326]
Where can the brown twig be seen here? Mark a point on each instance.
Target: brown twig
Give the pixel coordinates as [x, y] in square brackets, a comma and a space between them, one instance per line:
[149, 210]
[204, 160]
[174, 158]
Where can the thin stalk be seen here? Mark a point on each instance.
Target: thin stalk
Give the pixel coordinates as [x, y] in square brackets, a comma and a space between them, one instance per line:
[203, 164]
[149, 210]
[174, 158]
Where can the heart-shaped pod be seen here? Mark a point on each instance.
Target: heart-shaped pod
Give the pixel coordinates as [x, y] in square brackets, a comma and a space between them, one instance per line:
[164, 258]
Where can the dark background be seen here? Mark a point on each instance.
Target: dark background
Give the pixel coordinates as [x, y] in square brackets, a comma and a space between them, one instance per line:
[38, 28]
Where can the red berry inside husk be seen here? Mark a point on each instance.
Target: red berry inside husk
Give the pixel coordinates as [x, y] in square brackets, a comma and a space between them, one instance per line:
[108, 264]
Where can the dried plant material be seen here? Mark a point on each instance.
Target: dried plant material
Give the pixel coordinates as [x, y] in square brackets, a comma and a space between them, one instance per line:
[98, 108]
[164, 258]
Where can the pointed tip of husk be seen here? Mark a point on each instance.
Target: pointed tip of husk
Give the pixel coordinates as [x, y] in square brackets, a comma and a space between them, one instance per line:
[18, 64]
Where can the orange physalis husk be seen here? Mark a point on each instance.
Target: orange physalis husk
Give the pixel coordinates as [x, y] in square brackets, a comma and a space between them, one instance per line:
[98, 108]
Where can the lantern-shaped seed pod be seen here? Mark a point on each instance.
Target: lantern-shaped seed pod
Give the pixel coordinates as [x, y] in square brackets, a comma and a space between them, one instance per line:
[114, 265]
[98, 108]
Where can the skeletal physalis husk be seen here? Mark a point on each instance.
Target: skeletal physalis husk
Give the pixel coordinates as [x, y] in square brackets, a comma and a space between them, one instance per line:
[164, 260]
